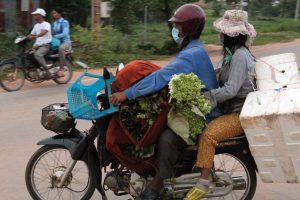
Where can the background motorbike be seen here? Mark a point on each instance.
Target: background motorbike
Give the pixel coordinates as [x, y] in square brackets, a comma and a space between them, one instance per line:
[14, 71]
[71, 166]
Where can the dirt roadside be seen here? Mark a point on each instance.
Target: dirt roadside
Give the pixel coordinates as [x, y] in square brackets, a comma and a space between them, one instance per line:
[214, 52]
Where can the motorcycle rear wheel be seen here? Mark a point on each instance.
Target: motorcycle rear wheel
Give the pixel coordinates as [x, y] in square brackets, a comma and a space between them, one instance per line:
[236, 165]
[46, 164]
[11, 77]
[67, 71]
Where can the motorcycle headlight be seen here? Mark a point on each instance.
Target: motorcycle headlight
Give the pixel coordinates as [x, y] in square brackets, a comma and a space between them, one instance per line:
[19, 39]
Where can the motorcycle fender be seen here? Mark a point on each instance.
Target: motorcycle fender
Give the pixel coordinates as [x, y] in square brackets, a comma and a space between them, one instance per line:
[16, 61]
[75, 143]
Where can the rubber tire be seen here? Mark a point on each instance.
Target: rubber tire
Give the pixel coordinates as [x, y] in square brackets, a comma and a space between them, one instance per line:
[70, 68]
[251, 171]
[18, 88]
[29, 167]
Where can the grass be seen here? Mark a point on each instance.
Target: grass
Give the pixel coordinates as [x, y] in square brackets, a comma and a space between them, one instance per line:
[107, 46]
[269, 31]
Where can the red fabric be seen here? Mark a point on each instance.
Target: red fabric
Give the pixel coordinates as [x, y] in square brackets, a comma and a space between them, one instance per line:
[132, 73]
[117, 132]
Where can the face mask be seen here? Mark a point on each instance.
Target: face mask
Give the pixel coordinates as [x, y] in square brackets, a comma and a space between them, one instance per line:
[175, 35]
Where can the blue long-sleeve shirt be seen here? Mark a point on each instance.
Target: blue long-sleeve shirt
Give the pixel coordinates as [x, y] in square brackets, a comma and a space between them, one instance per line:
[61, 29]
[192, 58]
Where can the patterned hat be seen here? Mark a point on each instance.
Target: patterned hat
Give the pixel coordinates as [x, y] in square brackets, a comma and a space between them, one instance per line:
[235, 22]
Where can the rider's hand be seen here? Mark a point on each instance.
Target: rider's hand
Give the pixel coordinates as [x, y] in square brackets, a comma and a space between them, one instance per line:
[31, 37]
[117, 98]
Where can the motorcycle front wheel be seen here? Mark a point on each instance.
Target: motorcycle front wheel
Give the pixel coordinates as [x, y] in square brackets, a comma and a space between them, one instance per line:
[45, 170]
[65, 74]
[11, 77]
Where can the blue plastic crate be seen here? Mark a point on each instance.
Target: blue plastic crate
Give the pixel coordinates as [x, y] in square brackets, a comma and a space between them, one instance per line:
[82, 98]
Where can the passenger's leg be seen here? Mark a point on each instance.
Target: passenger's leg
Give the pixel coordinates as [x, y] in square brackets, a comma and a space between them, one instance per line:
[222, 128]
[40, 53]
[61, 51]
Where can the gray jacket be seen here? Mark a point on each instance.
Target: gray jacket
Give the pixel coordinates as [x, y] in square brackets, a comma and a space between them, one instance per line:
[236, 81]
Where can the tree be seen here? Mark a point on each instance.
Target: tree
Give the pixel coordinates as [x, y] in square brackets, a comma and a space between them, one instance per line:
[125, 13]
[76, 11]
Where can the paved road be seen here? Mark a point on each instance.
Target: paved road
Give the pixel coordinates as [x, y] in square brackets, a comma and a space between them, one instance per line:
[20, 129]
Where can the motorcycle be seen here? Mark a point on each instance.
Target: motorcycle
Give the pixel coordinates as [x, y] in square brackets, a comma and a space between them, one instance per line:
[14, 71]
[71, 165]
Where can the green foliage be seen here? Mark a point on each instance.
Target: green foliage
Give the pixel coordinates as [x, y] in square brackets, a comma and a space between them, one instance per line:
[123, 15]
[186, 98]
[217, 8]
[138, 116]
[109, 46]
[126, 13]
[269, 8]
[76, 11]
[7, 41]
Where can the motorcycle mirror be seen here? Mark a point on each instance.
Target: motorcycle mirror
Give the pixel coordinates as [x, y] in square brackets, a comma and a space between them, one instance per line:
[106, 74]
[120, 67]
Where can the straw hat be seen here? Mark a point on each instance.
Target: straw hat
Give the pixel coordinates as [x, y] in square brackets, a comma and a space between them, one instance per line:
[235, 22]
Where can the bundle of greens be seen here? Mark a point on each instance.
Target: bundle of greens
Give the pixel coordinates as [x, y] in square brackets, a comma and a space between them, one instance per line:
[138, 152]
[189, 105]
[138, 115]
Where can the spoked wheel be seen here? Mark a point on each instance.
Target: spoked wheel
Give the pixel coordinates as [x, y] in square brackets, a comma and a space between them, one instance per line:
[11, 78]
[45, 170]
[242, 174]
[65, 73]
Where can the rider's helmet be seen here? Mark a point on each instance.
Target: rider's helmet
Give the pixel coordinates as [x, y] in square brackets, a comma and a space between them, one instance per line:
[191, 17]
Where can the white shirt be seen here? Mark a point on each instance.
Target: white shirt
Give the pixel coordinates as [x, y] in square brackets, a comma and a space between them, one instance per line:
[37, 29]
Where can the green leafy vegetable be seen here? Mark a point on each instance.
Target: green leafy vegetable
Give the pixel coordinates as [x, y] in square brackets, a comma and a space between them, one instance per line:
[186, 99]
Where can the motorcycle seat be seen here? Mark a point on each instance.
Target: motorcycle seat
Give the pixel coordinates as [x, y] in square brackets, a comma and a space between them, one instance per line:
[231, 141]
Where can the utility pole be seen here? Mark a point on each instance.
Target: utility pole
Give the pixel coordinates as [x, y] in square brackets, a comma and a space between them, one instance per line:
[297, 10]
[96, 13]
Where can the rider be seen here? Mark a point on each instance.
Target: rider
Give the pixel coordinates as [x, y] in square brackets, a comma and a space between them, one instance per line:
[41, 32]
[188, 21]
[61, 29]
[236, 81]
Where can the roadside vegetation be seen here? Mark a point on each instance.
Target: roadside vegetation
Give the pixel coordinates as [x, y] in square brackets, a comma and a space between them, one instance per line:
[110, 45]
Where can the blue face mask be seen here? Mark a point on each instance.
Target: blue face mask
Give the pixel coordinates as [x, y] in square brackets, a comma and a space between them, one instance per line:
[175, 35]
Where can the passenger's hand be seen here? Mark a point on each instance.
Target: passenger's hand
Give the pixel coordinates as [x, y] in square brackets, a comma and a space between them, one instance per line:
[117, 98]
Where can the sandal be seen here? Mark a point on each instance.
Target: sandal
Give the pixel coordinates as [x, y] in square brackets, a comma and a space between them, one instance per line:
[195, 194]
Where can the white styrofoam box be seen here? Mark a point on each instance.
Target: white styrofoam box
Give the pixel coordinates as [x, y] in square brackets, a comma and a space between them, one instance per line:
[296, 163]
[276, 169]
[277, 71]
[271, 121]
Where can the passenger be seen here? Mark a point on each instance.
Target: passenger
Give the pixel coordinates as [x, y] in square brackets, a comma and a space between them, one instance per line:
[236, 81]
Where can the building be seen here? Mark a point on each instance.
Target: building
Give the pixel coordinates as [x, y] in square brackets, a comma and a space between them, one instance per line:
[16, 15]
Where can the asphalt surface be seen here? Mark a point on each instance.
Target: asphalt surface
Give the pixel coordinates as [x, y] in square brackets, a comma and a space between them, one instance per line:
[20, 130]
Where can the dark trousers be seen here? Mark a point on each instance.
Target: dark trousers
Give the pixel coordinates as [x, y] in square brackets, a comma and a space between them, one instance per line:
[170, 146]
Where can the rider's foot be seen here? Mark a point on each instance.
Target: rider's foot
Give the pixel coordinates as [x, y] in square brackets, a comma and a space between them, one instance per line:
[149, 194]
[199, 190]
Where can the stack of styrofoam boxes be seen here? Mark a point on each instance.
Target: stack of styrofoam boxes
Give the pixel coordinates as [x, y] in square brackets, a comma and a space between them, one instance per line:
[271, 119]
[277, 71]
